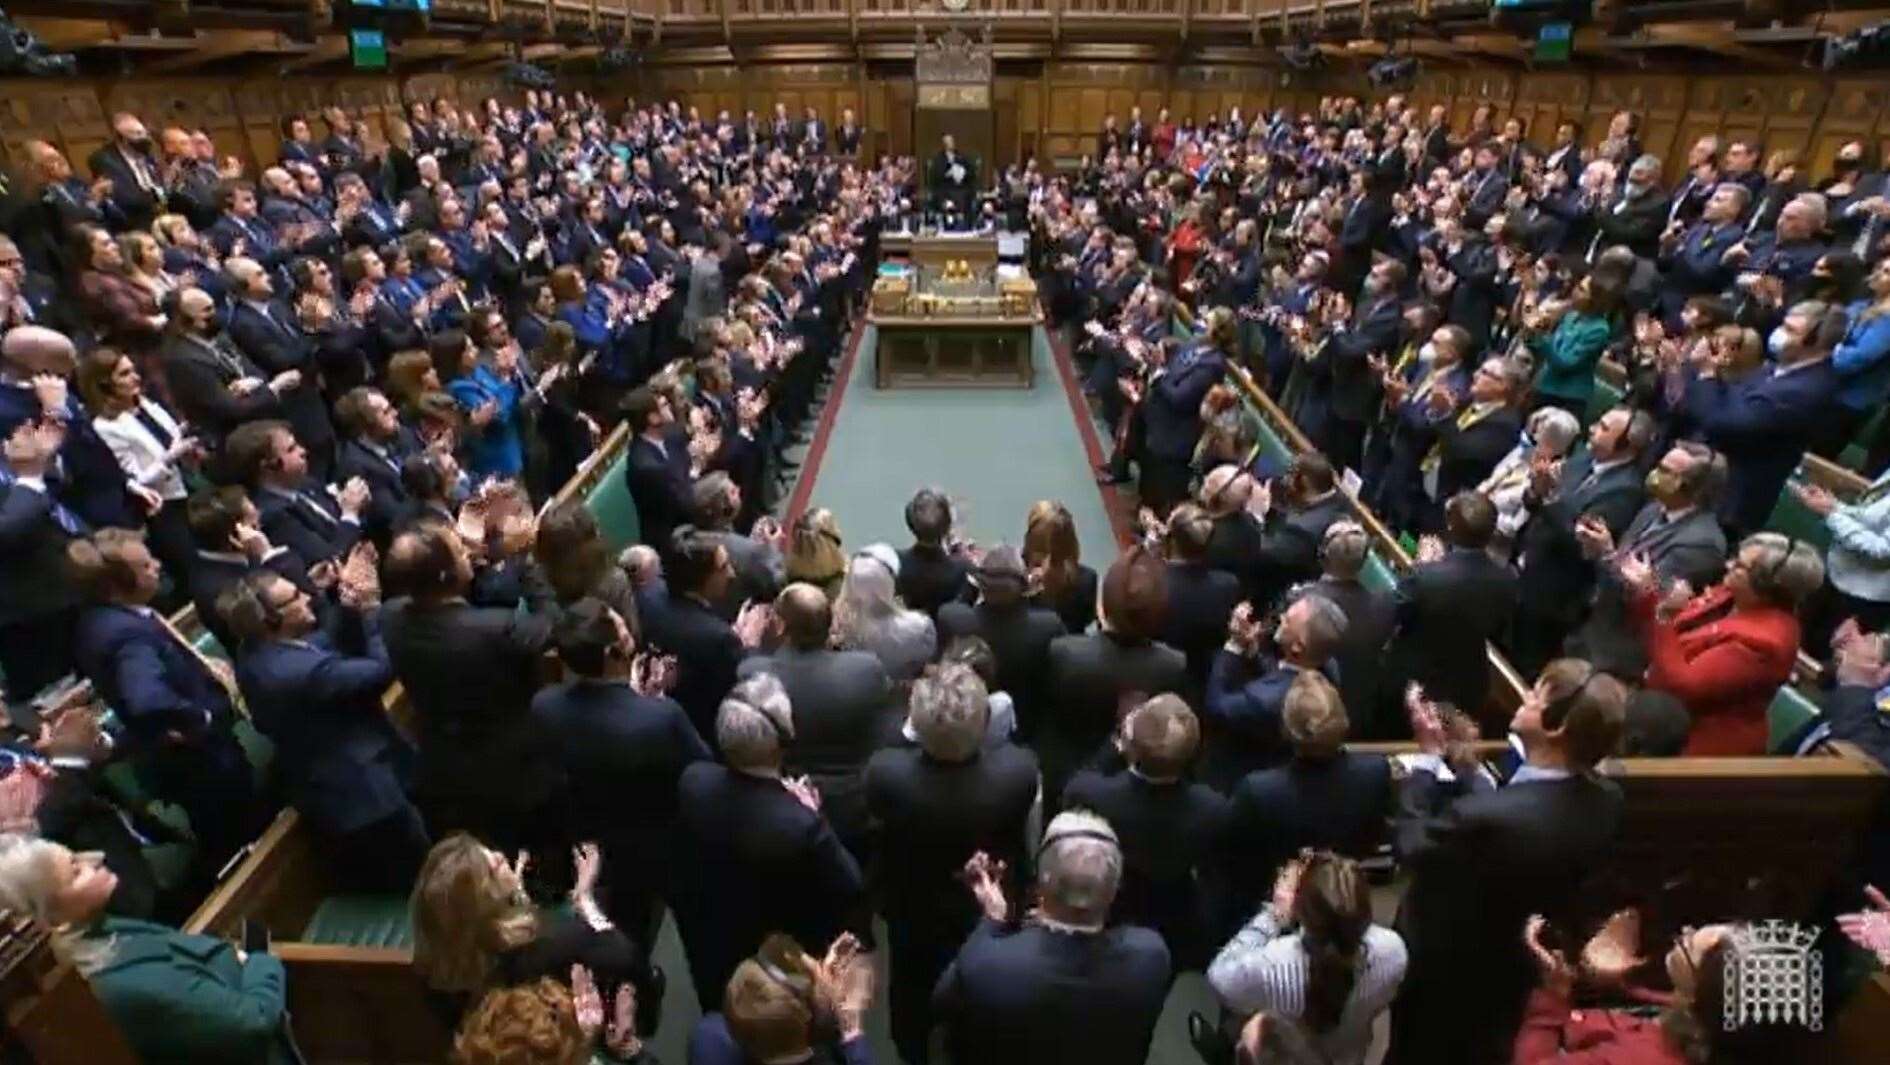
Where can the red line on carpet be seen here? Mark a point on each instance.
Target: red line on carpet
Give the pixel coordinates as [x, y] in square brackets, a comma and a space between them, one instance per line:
[1115, 504]
[823, 431]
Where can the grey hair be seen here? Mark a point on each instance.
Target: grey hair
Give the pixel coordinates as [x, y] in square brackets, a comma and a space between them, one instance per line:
[1788, 571]
[1813, 202]
[1647, 161]
[1077, 872]
[1325, 625]
[1554, 427]
[752, 721]
[26, 887]
[949, 709]
[1344, 549]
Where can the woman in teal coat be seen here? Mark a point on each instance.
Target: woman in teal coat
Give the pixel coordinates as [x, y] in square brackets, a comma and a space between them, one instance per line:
[176, 997]
[1568, 353]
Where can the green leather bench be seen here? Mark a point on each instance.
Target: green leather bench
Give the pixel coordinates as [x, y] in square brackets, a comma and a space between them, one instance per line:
[361, 921]
[1794, 519]
[611, 504]
[1377, 576]
[1604, 398]
[1788, 712]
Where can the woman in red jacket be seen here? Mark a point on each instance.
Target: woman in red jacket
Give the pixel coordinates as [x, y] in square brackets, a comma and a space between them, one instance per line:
[1185, 245]
[1690, 1028]
[1724, 653]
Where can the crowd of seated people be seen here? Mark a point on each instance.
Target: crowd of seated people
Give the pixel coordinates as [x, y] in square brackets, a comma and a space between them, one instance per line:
[336, 421]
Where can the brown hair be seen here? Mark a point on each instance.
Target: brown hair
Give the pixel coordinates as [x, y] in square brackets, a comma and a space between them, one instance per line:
[769, 1002]
[1135, 595]
[1050, 544]
[102, 566]
[1313, 716]
[1586, 706]
[1163, 736]
[95, 376]
[533, 1024]
[407, 374]
[572, 551]
[1334, 909]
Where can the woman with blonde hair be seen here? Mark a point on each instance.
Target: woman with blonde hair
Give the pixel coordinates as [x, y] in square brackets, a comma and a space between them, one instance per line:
[815, 554]
[870, 617]
[1052, 554]
[474, 928]
[1722, 654]
[175, 997]
[144, 264]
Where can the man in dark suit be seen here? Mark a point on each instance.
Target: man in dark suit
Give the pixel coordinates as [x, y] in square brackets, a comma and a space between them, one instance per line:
[1067, 985]
[215, 386]
[1169, 827]
[1764, 424]
[1695, 257]
[951, 178]
[1486, 185]
[373, 446]
[657, 468]
[1249, 680]
[1637, 214]
[470, 673]
[935, 805]
[708, 650]
[317, 696]
[1200, 597]
[1482, 859]
[268, 333]
[1326, 797]
[1235, 541]
[623, 746]
[1450, 606]
[1471, 442]
[1171, 412]
[1290, 534]
[1353, 389]
[1366, 224]
[1096, 676]
[846, 708]
[36, 364]
[297, 511]
[1437, 146]
[37, 600]
[137, 186]
[1370, 618]
[1679, 535]
[1018, 634]
[1602, 484]
[176, 714]
[226, 531]
[931, 574]
[755, 855]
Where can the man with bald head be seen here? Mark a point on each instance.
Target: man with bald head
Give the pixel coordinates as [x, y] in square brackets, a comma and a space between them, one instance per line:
[36, 367]
[137, 187]
[215, 386]
[843, 707]
[191, 182]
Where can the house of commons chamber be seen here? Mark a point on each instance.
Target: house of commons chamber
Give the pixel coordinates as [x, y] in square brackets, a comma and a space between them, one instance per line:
[944, 532]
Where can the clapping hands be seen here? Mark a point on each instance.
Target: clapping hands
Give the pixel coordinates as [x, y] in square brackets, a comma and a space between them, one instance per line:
[1870, 928]
[620, 1033]
[984, 875]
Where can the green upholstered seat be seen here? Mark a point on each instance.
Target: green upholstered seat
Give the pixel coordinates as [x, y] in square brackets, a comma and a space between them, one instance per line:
[361, 921]
[1377, 576]
[1793, 518]
[611, 504]
[1789, 711]
[1605, 396]
[1272, 446]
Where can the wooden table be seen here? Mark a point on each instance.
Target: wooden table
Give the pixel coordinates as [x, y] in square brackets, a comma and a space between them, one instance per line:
[947, 352]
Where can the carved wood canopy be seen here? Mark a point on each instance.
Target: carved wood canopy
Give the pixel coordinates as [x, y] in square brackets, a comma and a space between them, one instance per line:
[954, 59]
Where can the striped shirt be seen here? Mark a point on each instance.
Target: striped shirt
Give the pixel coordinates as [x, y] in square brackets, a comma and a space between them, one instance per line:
[1262, 968]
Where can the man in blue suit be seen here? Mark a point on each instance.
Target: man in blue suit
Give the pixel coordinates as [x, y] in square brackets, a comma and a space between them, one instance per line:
[1247, 684]
[269, 334]
[1171, 412]
[297, 511]
[1355, 397]
[317, 696]
[36, 365]
[176, 713]
[1696, 258]
[623, 745]
[1764, 424]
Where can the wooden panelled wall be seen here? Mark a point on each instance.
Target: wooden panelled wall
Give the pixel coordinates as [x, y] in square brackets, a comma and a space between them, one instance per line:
[243, 117]
[1055, 112]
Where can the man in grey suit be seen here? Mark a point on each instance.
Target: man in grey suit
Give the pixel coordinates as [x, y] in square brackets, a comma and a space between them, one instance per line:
[843, 708]
[759, 568]
[1601, 484]
[1680, 537]
[706, 298]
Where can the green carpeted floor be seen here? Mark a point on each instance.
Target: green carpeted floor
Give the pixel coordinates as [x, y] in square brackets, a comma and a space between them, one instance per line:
[996, 451]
